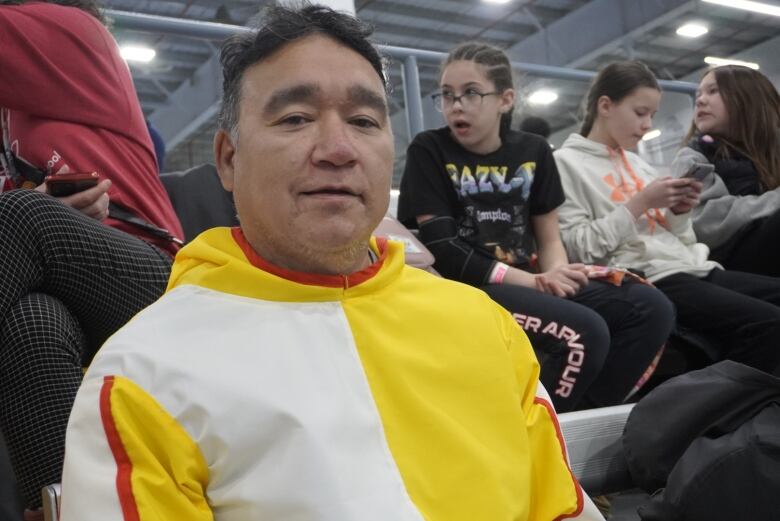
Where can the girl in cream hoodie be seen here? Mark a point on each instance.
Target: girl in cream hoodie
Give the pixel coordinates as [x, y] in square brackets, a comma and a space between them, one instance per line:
[619, 211]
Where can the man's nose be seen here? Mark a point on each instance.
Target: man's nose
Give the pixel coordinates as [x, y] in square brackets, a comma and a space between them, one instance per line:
[334, 143]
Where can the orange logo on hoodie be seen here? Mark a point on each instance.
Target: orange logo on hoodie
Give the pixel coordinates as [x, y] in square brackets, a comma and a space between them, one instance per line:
[621, 193]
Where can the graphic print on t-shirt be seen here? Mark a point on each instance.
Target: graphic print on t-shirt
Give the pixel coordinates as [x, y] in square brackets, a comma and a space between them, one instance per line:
[495, 203]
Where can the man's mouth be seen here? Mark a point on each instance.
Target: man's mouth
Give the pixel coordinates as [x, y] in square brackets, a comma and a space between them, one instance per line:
[331, 191]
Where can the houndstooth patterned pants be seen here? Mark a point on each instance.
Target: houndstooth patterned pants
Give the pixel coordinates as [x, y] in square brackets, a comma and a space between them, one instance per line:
[67, 282]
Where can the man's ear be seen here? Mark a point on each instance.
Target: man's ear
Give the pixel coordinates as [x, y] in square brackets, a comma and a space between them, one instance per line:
[224, 154]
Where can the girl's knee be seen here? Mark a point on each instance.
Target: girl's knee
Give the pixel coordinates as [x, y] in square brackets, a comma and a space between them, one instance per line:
[588, 341]
[655, 307]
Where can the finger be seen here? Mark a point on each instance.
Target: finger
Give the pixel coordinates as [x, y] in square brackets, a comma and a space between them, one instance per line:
[556, 289]
[87, 197]
[579, 278]
[573, 276]
[680, 181]
[697, 186]
[578, 266]
[568, 290]
[97, 210]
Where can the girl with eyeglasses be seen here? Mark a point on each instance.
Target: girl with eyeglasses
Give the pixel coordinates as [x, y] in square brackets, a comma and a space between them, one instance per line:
[621, 210]
[484, 198]
[736, 128]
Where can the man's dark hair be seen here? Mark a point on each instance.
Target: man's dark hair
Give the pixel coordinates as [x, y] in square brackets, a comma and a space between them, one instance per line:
[280, 26]
[92, 7]
[536, 125]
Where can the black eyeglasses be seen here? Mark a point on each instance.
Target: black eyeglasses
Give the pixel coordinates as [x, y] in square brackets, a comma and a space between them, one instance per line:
[468, 100]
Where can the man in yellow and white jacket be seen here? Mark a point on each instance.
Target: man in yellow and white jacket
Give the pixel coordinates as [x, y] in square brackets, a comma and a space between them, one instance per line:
[296, 369]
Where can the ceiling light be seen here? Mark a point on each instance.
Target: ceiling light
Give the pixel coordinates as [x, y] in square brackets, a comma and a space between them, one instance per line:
[692, 30]
[542, 97]
[651, 135]
[747, 5]
[498, 1]
[137, 54]
[712, 60]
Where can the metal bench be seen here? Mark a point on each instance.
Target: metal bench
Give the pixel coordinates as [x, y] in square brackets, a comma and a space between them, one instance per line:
[593, 439]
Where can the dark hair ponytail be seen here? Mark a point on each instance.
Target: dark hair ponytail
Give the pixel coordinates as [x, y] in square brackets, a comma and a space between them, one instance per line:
[498, 68]
[615, 81]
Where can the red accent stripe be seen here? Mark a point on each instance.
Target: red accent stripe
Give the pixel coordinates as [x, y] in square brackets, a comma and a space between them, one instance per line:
[311, 279]
[124, 486]
[577, 488]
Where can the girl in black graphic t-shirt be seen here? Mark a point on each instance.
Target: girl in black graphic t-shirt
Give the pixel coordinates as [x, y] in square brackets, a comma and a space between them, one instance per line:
[485, 198]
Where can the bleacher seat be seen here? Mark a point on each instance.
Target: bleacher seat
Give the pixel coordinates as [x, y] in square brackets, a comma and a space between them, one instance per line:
[199, 200]
[593, 439]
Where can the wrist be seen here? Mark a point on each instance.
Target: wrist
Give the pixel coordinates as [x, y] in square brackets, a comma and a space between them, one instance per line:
[519, 277]
[636, 205]
[498, 273]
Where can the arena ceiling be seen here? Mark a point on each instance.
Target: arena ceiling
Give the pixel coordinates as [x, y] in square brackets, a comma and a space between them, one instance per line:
[179, 88]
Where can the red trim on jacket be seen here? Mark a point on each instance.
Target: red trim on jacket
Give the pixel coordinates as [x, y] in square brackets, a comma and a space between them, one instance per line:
[124, 486]
[311, 279]
[559, 435]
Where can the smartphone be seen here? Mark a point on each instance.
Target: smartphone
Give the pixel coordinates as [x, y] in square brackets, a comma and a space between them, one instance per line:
[60, 185]
[699, 171]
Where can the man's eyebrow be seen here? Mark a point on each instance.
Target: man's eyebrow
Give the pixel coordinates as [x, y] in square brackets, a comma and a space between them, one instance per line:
[295, 94]
[359, 95]
[308, 92]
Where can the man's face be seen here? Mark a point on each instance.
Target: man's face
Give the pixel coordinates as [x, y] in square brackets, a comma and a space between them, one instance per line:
[311, 168]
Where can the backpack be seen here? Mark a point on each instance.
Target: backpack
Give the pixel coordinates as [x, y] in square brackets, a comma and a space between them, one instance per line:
[709, 443]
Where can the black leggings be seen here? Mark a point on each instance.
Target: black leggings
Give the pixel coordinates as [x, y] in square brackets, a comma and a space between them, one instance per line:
[595, 347]
[738, 313]
[757, 251]
[67, 282]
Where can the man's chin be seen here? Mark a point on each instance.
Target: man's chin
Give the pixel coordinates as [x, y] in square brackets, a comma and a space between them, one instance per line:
[334, 240]
[336, 257]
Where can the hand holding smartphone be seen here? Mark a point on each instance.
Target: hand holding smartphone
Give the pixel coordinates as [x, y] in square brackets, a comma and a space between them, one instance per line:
[699, 171]
[62, 185]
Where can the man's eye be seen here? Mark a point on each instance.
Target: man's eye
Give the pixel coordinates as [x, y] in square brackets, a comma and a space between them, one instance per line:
[364, 122]
[471, 93]
[293, 120]
[449, 96]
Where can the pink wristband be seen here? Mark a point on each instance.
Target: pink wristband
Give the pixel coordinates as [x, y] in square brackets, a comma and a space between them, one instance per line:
[499, 271]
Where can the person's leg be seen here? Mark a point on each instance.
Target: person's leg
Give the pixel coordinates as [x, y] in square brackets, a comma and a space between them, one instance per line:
[102, 276]
[758, 251]
[640, 319]
[40, 371]
[570, 340]
[734, 309]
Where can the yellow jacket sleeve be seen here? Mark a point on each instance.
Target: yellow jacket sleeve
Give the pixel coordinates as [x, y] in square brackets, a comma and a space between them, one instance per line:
[555, 493]
[127, 458]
